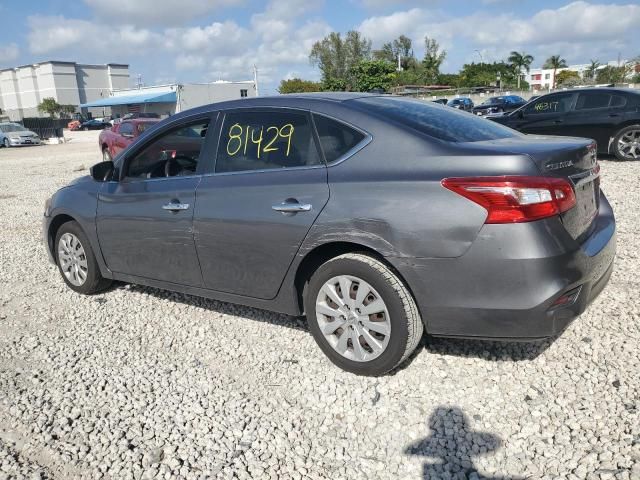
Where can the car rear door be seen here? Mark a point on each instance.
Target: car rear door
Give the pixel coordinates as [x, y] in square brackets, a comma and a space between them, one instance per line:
[546, 115]
[267, 187]
[145, 219]
[594, 116]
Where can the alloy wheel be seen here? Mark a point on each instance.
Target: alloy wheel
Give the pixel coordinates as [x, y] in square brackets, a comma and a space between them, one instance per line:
[629, 144]
[353, 318]
[72, 259]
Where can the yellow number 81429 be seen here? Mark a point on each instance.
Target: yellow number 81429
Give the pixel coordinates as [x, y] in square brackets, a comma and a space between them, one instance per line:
[240, 136]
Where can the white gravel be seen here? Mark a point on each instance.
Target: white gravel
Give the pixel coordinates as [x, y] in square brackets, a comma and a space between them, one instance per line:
[143, 383]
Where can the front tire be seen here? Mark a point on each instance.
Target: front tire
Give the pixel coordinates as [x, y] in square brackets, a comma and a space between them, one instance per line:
[6, 143]
[76, 262]
[362, 315]
[626, 143]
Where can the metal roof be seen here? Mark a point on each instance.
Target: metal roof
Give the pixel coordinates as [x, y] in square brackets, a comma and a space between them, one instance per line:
[152, 97]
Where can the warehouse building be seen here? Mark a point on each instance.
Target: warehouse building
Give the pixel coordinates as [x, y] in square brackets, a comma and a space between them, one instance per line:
[23, 88]
[166, 100]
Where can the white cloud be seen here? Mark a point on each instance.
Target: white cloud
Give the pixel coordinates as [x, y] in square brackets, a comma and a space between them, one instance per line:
[9, 52]
[155, 12]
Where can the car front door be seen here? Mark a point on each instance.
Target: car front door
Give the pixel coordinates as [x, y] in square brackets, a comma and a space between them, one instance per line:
[268, 186]
[145, 219]
[544, 116]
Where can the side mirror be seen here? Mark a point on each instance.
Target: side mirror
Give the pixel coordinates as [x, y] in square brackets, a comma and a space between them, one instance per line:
[102, 172]
[521, 113]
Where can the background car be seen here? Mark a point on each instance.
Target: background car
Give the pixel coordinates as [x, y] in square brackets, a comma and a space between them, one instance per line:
[610, 116]
[14, 135]
[462, 103]
[503, 103]
[94, 124]
[441, 101]
[115, 139]
[290, 203]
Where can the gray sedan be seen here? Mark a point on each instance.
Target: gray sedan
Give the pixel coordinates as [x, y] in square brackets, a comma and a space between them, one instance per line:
[15, 135]
[377, 217]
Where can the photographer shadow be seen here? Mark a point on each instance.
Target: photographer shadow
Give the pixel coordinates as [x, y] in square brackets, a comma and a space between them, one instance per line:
[452, 445]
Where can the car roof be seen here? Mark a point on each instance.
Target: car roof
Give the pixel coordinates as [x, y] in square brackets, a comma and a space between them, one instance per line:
[141, 120]
[597, 89]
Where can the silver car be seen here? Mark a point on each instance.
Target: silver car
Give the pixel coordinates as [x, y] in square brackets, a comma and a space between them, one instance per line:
[14, 135]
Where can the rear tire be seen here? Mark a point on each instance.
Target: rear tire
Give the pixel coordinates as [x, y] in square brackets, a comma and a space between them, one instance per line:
[76, 262]
[626, 143]
[386, 333]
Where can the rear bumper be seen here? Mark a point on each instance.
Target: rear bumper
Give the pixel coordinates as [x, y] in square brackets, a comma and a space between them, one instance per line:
[505, 285]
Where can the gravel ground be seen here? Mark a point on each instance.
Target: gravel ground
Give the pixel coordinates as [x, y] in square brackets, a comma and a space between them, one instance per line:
[143, 383]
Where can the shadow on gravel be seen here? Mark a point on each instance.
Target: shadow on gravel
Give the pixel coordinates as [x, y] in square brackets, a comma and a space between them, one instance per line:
[250, 313]
[451, 446]
[488, 350]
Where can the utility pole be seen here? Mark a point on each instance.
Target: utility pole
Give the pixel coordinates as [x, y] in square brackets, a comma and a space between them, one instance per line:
[399, 63]
[255, 79]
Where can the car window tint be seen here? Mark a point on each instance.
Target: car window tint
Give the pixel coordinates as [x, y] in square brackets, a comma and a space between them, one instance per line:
[559, 103]
[265, 140]
[336, 138]
[618, 101]
[173, 154]
[126, 128]
[449, 124]
[589, 100]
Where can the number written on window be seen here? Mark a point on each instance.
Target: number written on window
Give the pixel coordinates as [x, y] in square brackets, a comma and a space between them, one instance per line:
[262, 138]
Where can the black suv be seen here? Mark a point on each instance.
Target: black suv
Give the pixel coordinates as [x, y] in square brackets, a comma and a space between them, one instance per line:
[503, 103]
[462, 103]
[610, 116]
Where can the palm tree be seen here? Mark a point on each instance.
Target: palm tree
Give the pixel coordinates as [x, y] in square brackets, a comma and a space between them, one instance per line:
[593, 68]
[555, 62]
[520, 61]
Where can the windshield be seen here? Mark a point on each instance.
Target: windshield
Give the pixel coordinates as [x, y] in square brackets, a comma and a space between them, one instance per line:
[449, 124]
[13, 128]
[492, 100]
[454, 102]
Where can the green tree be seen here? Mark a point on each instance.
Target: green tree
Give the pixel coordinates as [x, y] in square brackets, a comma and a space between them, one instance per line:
[50, 106]
[433, 58]
[298, 85]
[485, 74]
[611, 74]
[336, 56]
[452, 79]
[590, 73]
[568, 78]
[400, 47]
[372, 74]
[520, 61]
[555, 62]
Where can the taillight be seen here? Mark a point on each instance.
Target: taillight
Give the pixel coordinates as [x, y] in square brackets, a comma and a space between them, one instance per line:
[514, 199]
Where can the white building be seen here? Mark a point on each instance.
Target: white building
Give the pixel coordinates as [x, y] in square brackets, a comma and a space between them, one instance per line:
[543, 78]
[69, 83]
[169, 99]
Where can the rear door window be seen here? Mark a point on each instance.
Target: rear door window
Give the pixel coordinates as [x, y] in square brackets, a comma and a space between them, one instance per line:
[618, 101]
[336, 138]
[592, 100]
[266, 140]
[448, 124]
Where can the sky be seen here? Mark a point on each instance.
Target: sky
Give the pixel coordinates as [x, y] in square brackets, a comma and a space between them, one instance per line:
[169, 41]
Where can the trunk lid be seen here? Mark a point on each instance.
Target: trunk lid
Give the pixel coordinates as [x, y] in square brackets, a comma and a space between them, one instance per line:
[571, 158]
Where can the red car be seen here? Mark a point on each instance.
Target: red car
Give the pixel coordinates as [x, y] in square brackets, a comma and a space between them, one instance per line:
[115, 139]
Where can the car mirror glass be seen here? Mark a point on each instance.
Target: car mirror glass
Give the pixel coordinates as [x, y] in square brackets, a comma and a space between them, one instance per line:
[102, 172]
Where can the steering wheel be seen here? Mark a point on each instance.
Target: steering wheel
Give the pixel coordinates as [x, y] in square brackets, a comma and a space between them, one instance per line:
[176, 165]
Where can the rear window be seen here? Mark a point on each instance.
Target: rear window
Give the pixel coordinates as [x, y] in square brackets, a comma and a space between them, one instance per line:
[336, 138]
[447, 124]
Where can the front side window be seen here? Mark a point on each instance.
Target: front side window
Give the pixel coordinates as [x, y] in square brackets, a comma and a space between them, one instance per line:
[173, 154]
[590, 100]
[336, 138]
[261, 140]
[559, 103]
[618, 101]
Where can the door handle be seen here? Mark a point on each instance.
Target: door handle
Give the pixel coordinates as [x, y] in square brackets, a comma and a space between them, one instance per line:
[558, 121]
[614, 114]
[292, 207]
[175, 207]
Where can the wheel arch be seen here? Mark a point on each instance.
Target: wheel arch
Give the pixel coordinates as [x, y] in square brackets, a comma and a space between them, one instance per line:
[322, 253]
[54, 226]
[614, 134]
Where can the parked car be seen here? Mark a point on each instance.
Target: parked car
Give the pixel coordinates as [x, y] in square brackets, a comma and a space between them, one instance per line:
[462, 103]
[610, 116]
[473, 230]
[115, 139]
[503, 103]
[15, 135]
[441, 101]
[94, 124]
